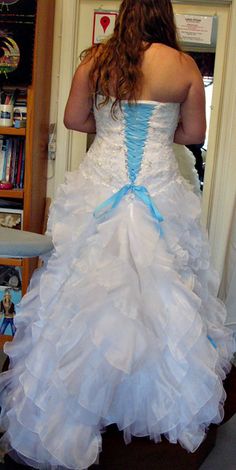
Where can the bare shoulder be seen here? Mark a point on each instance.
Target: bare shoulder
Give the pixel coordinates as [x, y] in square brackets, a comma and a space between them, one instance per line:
[157, 50]
[86, 63]
[188, 63]
[162, 63]
[170, 57]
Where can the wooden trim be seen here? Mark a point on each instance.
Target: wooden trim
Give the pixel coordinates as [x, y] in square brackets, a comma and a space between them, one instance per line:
[38, 104]
[11, 261]
[28, 160]
[12, 193]
[4, 339]
[25, 275]
[12, 131]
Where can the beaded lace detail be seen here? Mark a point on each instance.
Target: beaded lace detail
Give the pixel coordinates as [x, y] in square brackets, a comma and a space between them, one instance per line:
[113, 153]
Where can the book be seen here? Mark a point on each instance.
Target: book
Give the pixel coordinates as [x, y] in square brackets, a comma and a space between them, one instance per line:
[12, 151]
[19, 165]
[11, 203]
[1, 155]
[5, 151]
[22, 173]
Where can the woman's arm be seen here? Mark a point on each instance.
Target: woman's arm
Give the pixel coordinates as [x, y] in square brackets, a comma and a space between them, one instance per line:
[79, 108]
[192, 126]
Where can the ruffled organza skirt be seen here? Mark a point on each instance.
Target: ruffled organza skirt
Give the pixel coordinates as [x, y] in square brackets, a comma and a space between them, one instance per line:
[120, 326]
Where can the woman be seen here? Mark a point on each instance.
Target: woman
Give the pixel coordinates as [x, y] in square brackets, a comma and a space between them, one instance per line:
[122, 325]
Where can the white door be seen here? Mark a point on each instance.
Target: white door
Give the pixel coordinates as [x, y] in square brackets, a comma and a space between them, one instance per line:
[84, 40]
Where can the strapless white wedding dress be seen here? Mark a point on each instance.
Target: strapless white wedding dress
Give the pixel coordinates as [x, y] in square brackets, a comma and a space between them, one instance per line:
[122, 324]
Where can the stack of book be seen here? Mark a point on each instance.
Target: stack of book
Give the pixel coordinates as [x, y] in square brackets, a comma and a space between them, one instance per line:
[12, 160]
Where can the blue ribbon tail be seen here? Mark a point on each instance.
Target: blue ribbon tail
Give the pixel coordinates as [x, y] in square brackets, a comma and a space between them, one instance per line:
[106, 207]
[212, 341]
[143, 194]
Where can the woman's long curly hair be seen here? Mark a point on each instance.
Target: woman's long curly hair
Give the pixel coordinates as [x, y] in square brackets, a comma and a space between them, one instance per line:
[117, 63]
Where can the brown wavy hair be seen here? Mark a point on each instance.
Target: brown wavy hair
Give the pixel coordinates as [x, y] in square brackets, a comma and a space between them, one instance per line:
[117, 63]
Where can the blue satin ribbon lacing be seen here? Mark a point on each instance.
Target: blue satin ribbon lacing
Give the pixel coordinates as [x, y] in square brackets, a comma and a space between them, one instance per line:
[137, 119]
[106, 207]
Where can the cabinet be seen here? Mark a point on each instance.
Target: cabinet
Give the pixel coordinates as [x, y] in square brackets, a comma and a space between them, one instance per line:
[33, 193]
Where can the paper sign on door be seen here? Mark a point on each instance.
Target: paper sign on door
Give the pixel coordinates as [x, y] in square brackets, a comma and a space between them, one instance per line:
[194, 28]
[103, 25]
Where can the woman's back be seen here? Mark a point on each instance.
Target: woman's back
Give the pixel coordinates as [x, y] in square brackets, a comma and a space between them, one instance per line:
[168, 75]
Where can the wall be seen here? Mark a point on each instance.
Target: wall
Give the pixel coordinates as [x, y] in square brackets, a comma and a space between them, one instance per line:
[55, 88]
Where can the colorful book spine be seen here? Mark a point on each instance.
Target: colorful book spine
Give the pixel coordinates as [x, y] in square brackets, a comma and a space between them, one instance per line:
[5, 151]
[19, 166]
[12, 150]
[1, 155]
[22, 169]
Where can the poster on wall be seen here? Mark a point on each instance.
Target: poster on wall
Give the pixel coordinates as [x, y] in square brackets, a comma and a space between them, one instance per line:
[10, 296]
[103, 25]
[17, 27]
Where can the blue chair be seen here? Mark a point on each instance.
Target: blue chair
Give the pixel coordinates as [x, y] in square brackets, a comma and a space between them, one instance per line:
[21, 244]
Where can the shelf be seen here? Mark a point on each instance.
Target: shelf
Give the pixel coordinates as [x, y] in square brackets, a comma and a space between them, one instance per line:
[11, 261]
[4, 339]
[12, 193]
[12, 131]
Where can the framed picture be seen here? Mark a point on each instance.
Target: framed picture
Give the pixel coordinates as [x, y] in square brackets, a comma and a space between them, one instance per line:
[18, 7]
[11, 218]
[103, 25]
[17, 28]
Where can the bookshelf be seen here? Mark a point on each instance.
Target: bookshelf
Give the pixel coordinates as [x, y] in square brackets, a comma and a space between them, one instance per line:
[32, 196]
[12, 131]
[11, 194]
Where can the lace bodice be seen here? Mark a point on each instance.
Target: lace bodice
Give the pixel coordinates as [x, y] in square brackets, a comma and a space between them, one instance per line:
[141, 135]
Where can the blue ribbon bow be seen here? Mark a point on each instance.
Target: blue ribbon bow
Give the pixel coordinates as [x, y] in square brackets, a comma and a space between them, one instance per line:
[106, 207]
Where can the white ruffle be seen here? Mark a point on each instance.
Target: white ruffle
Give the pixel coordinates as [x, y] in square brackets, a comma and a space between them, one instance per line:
[114, 330]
